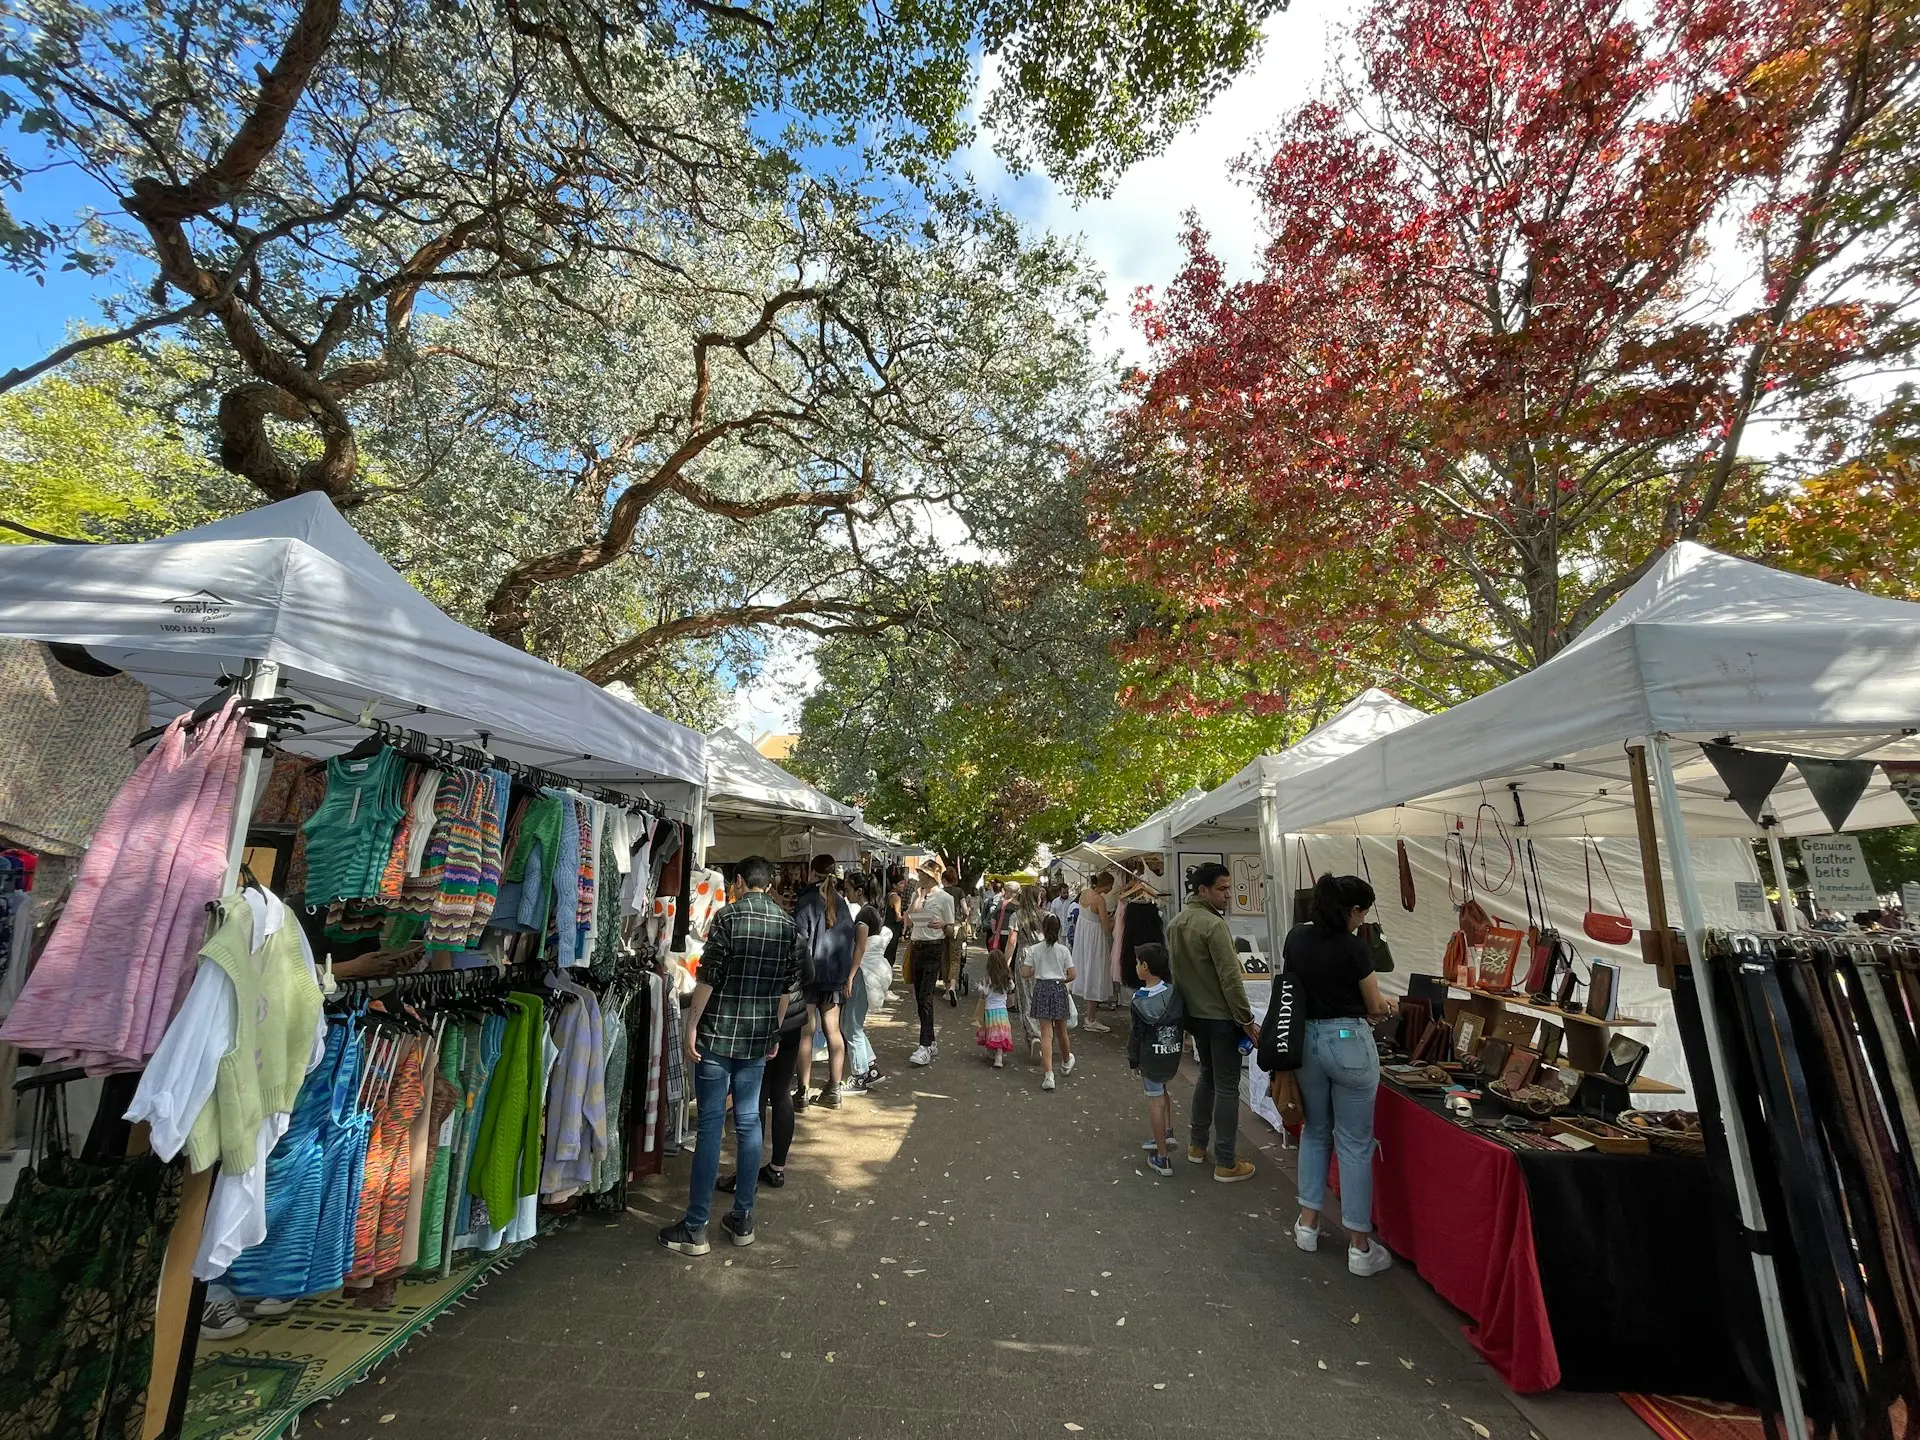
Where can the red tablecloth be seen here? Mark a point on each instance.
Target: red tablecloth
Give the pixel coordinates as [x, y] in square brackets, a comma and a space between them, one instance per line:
[1455, 1207]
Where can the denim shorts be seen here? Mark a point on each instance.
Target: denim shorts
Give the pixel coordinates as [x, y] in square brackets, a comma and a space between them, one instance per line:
[1154, 1088]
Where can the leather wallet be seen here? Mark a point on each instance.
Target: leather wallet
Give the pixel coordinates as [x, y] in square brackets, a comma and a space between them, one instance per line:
[1493, 1057]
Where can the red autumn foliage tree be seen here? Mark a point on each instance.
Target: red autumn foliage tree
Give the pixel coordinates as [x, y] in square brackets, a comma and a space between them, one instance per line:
[1537, 272]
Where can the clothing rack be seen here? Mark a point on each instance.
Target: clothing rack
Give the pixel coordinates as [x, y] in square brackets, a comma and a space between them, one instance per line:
[422, 746]
[424, 985]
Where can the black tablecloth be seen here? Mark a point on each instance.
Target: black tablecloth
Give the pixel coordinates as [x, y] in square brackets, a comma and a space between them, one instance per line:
[1633, 1287]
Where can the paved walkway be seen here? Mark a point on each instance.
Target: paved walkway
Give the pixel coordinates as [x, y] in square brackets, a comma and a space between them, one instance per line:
[959, 1254]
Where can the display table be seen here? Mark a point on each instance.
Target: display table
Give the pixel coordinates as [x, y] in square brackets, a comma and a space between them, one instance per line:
[1585, 1271]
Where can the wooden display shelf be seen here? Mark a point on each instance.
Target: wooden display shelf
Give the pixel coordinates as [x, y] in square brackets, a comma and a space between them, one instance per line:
[1645, 1085]
[1577, 1017]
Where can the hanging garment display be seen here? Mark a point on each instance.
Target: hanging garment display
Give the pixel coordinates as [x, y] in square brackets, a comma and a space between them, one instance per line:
[55, 790]
[80, 1252]
[351, 835]
[120, 961]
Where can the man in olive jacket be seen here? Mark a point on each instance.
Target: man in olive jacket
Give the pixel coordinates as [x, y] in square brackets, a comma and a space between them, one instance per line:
[1213, 990]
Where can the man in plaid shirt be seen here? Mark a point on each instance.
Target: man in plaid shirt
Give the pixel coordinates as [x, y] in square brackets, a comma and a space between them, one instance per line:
[749, 968]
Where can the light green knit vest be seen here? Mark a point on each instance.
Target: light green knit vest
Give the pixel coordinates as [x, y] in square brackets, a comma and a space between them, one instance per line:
[276, 1006]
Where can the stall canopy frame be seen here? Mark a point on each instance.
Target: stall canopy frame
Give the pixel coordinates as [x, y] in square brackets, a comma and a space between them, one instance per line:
[294, 586]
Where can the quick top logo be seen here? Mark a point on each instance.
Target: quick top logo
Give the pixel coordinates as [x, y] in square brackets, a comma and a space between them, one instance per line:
[197, 614]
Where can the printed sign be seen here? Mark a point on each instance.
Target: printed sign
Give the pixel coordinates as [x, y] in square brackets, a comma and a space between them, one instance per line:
[1750, 895]
[1910, 902]
[1837, 871]
[1249, 885]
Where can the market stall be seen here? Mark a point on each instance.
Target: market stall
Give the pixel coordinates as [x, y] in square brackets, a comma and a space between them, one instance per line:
[1749, 704]
[1521, 880]
[756, 808]
[444, 806]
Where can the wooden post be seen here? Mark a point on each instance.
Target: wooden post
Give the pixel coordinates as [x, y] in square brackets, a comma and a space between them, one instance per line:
[176, 1316]
[1656, 942]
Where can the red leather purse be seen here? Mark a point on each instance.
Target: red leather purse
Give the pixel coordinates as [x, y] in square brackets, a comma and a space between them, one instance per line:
[1607, 927]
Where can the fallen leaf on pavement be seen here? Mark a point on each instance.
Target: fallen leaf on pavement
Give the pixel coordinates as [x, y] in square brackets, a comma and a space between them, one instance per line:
[1121, 1321]
[1075, 1428]
[1160, 1385]
[703, 1394]
[1321, 1363]
[1405, 1364]
[1478, 1428]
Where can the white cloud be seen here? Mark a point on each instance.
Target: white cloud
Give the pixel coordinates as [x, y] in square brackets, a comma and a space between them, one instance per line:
[771, 703]
[1134, 233]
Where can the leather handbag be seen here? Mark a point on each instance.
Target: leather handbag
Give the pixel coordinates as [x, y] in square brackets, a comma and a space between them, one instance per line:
[1406, 876]
[1303, 895]
[1372, 935]
[1283, 1030]
[1474, 920]
[1608, 927]
[1285, 1091]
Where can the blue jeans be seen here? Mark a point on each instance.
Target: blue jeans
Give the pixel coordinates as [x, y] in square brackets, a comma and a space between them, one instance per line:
[713, 1078]
[1338, 1079]
[853, 1029]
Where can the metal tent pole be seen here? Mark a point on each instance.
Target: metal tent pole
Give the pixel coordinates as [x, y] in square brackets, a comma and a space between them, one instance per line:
[1752, 1219]
[1273, 855]
[1789, 912]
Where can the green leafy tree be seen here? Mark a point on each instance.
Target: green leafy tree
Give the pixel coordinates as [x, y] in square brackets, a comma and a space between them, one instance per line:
[99, 452]
[297, 181]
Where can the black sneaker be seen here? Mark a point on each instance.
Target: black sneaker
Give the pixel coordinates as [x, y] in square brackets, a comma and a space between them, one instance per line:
[685, 1239]
[739, 1228]
[800, 1102]
[828, 1099]
[773, 1179]
[874, 1077]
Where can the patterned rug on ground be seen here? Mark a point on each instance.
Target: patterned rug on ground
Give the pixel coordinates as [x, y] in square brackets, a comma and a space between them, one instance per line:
[254, 1386]
[1681, 1417]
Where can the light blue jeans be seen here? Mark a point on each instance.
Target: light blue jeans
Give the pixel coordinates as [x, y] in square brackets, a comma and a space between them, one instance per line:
[713, 1078]
[1338, 1080]
[853, 1029]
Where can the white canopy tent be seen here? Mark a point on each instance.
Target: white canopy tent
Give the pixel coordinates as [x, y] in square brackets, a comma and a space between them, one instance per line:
[288, 600]
[1151, 835]
[293, 586]
[755, 807]
[1702, 648]
[1229, 821]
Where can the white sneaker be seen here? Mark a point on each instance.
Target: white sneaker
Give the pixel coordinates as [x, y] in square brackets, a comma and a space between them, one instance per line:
[999, 1061]
[922, 1056]
[270, 1306]
[1370, 1261]
[1046, 1081]
[1067, 1067]
[1307, 1237]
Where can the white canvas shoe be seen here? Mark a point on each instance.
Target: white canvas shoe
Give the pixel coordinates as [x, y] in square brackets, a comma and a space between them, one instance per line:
[1307, 1237]
[922, 1056]
[1370, 1261]
[1046, 1081]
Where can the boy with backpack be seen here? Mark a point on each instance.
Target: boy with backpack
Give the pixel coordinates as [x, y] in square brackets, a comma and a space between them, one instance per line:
[1155, 1044]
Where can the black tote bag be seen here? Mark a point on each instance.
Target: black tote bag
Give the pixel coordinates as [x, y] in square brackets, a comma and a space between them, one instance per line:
[1283, 1031]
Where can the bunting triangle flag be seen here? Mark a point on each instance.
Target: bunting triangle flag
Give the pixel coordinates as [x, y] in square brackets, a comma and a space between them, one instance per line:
[1837, 785]
[1904, 777]
[1749, 775]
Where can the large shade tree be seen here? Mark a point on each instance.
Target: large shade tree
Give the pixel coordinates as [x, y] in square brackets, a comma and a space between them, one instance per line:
[300, 178]
[1543, 284]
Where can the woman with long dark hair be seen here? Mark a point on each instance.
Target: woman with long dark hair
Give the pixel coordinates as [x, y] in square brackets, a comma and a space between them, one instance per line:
[829, 932]
[1340, 1075]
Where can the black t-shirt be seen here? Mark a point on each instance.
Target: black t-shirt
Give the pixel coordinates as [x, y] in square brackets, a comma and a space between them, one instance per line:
[1329, 969]
[870, 918]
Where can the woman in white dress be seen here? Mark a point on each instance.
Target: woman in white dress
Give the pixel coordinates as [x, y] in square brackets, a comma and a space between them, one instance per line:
[1092, 939]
